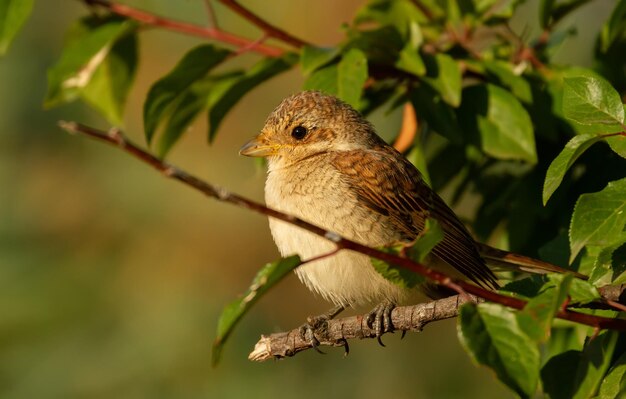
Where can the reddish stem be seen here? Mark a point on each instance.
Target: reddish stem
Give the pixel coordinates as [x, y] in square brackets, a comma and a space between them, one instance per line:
[116, 138]
[214, 33]
[269, 29]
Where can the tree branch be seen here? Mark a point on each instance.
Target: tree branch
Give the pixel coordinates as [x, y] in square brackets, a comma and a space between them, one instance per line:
[269, 29]
[115, 137]
[214, 33]
[337, 332]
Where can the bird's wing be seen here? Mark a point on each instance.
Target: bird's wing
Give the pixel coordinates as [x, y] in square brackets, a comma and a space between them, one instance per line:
[389, 184]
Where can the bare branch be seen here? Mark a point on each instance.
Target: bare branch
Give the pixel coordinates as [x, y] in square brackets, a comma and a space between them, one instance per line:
[269, 29]
[213, 33]
[337, 331]
[115, 137]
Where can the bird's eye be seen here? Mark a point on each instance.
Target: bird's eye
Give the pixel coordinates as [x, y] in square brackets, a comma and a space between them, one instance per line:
[298, 132]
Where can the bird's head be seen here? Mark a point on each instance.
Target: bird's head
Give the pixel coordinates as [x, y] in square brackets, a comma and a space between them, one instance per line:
[307, 124]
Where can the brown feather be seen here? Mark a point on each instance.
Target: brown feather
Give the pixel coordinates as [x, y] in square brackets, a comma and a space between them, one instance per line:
[388, 184]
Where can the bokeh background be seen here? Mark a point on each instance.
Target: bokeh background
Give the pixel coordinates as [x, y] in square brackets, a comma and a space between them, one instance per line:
[112, 277]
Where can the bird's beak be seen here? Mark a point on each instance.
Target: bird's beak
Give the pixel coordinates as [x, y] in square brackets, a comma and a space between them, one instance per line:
[258, 147]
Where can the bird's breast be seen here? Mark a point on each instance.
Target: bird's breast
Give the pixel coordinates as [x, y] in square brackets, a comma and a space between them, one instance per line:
[318, 194]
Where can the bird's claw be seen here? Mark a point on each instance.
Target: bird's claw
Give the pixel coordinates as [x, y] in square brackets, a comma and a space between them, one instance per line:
[307, 333]
[379, 320]
[314, 324]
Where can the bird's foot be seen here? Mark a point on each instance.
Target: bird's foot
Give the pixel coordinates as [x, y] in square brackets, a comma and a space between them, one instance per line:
[379, 319]
[317, 325]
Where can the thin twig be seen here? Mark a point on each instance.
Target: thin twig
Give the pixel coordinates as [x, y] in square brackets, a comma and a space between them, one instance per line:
[213, 33]
[269, 29]
[336, 332]
[115, 137]
[425, 10]
[211, 13]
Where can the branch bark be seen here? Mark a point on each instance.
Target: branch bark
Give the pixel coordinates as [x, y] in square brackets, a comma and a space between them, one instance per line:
[213, 32]
[337, 332]
[269, 29]
[115, 137]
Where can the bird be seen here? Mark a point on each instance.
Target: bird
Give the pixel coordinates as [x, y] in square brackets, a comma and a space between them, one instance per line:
[327, 165]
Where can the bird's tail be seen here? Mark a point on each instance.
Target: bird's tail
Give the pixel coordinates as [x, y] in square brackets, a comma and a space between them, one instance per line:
[515, 262]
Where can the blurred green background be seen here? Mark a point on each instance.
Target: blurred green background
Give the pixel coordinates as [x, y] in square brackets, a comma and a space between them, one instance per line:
[112, 277]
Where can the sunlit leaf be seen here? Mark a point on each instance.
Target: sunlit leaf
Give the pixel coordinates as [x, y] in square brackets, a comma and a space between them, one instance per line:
[194, 65]
[13, 14]
[324, 80]
[498, 122]
[265, 279]
[444, 75]
[87, 47]
[591, 101]
[312, 58]
[598, 218]
[492, 335]
[351, 75]
[504, 72]
[536, 317]
[614, 384]
[110, 84]
[410, 61]
[561, 164]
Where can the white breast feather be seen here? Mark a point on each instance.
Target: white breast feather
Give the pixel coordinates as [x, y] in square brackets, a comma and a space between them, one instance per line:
[346, 278]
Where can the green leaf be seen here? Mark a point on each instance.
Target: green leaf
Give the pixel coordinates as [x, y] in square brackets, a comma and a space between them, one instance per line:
[610, 264]
[110, 84]
[508, 78]
[194, 65]
[493, 336]
[536, 317]
[400, 276]
[87, 47]
[351, 76]
[265, 279]
[561, 10]
[582, 292]
[410, 61]
[444, 75]
[221, 101]
[614, 28]
[324, 80]
[438, 115]
[428, 238]
[313, 57]
[499, 122]
[193, 102]
[545, 11]
[598, 218]
[561, 164]
[13, 14]
[618, 143]
[578, 374]
[614, 384]
[398, 13]
[591, 101]
[418, 159]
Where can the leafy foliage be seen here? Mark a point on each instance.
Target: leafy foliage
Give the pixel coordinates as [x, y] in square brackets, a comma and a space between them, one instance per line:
[498, 121]
[266, 278]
